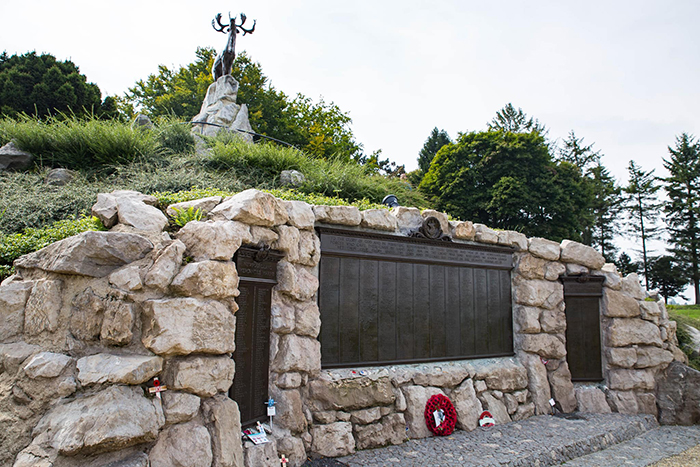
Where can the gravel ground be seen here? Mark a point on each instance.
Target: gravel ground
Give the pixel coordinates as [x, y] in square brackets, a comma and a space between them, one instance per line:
[688, 458]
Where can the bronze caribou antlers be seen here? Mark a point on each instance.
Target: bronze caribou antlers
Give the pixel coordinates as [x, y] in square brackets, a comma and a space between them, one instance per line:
[224, 62]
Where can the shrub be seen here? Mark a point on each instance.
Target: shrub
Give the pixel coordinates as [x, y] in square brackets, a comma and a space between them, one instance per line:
[183, 216]
[175, 137]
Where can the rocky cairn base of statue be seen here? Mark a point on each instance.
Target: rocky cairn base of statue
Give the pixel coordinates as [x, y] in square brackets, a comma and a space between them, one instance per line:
[220, 109]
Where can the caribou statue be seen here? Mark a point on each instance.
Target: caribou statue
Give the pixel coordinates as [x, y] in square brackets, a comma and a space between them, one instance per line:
[224, 62]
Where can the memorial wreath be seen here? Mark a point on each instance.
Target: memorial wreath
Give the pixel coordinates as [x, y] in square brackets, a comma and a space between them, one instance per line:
[440, 415]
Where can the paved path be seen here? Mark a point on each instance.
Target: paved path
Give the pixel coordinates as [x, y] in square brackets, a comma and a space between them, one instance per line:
[542, 441]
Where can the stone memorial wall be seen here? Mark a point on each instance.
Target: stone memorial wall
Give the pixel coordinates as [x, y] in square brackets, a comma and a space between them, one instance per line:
[87, 323]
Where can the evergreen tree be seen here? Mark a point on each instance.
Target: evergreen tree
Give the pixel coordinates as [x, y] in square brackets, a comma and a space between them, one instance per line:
[515, 121]
[666, 276]
[606, 207]
[683, 207]
[625, 265]
[436, 140]
[643, 208]
[578, 154]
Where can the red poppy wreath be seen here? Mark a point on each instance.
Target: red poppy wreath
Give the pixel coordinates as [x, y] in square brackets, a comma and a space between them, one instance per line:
[440, 415]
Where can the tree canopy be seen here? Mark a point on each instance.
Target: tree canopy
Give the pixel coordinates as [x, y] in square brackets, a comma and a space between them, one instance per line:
[40, 85]
[666, 275]
[516, 121]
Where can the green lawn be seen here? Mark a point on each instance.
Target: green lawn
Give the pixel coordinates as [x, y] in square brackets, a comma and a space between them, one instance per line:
[690, 311]
[686, 315]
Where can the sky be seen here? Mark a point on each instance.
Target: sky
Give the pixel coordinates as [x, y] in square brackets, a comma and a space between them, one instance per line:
[623, 74]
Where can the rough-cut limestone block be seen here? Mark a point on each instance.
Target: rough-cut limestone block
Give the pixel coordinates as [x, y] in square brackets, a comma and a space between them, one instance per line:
[128, 278]
[574, 252]
[467, 406]
[342, 215]
[511, 403]
[296, 281]
[94, 254]
[112, 419]
[562, 388]
[203, 205]
[652, 356]
[351, 394]
[365, 416]
[223, 416]
[288, 242]
[678, 394]
[298, 353]
[553, 321]
[624, 357]
[619, 305]
[309, 248]
[650, 311]
[623, 379]
[379, 219]
[400, 402]
[590, 399]
[573, 269]
[252, 207]
[538, 384]
[416, 398]
[409, 219]
[181, 326]
[282, 318]
[527, 319]
[185, 444]
[211, 279]
[308, 320]
[553, 270]
[293, 449]
[179, 407]
[507, 376]
[612, 279]
[545, 345]
[290, 380]
[139, 215]
[117, 324]
[632, 287]
[544, 248]
[216, 240]
[46, 365]
[444, 376]
[514, 239]
[166, 266]
[624, 332]
[290, 411]
[464, 230]
[440, 216]
[624, 402]
[203, 376]
[496, 407]
[485, 235]
[118, 369]
[43, 307]
[106, 210]
[391, 430]
[524, 411]
[531, 267]
[539, 293]
[262, 235]
[333, 440]
[13, 298]
[301, 215]
[13, 355]
[261, 455]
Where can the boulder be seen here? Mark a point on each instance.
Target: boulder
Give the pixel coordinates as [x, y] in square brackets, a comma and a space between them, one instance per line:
[290, 411]
[574, 252]
[485, 235]
[139, 215]
[87, 311]
[467, 406]
[166, 266]
[307, 320]
[106, 210]
[203, 205]
[112, 419]
[416, 398]
[531, 267]
[288, 242]
[390, 430]
[118, 369]
[252, 207]
[650, 311]
[301, 215]
[203, 376]
[289, 380]
[619, 305]
[59, 177]
[298, 353]
[333, 440]
[379, 219]
[624, 402]
[117, 323]
[141, 122]
[223, 417]
[538, 384]
[553, 270]
[292, 178]
[496, 407]
[293, 449]
[464, 230]
[527, 319]
[553, 321]
[678, 395]
[262, 236]
[365, 416]
[443, 376]
[296, 281]
[13, 298]
[261, 455]
[219, 108]
[624, 332]
[408, 219]
[43, 307]
[573, 269]
[46, 365]
[544, 248]
[514, 239]
[342, 215]
[652, 356]
[624, 379]
[94, 254]
[209, 279]
[186, 444]
[563, 388]
[216, 240]
[351, 394]
[508, 376]
[545, 345]
[590, 399]
[632, 287]
[624, 357]
[13, 158]
[180, 407]
[127, 278]
[539, 293]
[180, 326]
[13, 355]
[524, 411]
[309, 249]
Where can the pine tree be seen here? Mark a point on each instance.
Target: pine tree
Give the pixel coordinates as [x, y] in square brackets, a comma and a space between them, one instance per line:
[515, 121]
[575, 152]
[606, 207]
[666, 276]
[625, 265]
[436, 140]
[683, 207]
[643, 208]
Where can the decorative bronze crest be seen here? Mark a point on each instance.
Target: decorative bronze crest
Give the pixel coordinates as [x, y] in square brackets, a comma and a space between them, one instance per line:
[431, 230]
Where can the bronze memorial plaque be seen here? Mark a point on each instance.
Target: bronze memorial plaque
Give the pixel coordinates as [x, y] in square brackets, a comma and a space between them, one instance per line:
[387, 299]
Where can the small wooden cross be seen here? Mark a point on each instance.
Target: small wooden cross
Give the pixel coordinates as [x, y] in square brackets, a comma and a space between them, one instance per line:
[283, 461]
[157, 387]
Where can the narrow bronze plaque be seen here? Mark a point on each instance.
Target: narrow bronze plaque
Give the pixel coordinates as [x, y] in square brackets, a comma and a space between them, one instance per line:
[257, 273]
